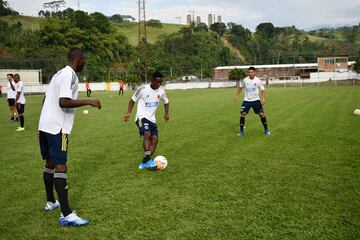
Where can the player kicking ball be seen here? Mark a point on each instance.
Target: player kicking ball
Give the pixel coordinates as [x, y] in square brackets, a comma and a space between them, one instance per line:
[148, 97]
[252, 85]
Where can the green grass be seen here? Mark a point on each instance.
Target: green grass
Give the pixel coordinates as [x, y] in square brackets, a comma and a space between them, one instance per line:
[302, 182]
[28, 22]
[131, 31]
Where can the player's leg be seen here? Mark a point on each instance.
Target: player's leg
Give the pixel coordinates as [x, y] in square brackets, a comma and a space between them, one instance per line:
[153, 144]
[11, 109]
[260, 111]
[48, 174]
[20, 110]
[243, 112]
[144, 130]
[89, 92]
[122, 91]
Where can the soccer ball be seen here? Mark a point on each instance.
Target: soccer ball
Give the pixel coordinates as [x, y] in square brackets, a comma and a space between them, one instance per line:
[357, 112]
[85, 112]
[161, 162]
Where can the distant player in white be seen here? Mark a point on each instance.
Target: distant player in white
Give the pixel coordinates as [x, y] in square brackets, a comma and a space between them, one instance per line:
[56, 122]
[20, 101]
[11, 94]
[252, 85]
[148, 97]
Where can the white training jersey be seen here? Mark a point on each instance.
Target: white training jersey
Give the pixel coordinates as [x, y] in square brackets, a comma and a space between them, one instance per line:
[148, 101]
[53, 118]
[11, 94]
[19, 87]
[252, 88]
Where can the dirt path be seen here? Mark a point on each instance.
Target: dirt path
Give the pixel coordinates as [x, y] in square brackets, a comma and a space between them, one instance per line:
[233, 49]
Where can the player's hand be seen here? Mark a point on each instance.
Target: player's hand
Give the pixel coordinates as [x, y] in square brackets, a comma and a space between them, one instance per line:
[127, 117]
[38, 136]
[263, 101]
[95, 103]
[236, 98]
[166, 117]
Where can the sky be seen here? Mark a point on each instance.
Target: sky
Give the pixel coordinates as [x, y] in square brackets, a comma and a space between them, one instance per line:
[304, 14]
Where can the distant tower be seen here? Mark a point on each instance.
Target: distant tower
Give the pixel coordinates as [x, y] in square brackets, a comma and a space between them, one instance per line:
[188, 19]
[219, 20]
[142, 21]
[198, 20]
[214, 19]
[210, 19]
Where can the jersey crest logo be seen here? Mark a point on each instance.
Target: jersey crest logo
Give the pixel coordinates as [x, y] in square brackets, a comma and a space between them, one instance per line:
[158, 96]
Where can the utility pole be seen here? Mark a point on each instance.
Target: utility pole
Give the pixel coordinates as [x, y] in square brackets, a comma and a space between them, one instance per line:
[142, 38]
[78, 5]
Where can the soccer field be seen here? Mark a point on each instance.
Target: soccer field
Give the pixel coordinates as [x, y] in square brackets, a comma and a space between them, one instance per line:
[302, 182]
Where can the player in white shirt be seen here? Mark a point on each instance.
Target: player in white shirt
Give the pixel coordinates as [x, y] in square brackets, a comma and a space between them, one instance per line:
[252, 85]
[56, 122]
[20, 101]
[148, 97]
[11, 94]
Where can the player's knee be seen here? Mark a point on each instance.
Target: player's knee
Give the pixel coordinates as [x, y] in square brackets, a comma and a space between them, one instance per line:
[261, 114]
[60, 167]
[243, 114]
[147, 134]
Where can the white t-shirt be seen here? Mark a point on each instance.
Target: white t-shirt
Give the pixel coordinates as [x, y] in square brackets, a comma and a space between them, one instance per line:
[148, 101]
[252, 88]
[19, 87]
[10, 93]
[53, 118]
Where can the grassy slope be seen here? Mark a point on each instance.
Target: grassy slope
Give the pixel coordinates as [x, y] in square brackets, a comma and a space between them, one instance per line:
[302, 182]
[31, 23]
[130, 30]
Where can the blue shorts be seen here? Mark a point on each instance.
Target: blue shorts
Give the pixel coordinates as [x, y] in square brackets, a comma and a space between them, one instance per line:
[54, 147]
[145, 125]
[256, 105]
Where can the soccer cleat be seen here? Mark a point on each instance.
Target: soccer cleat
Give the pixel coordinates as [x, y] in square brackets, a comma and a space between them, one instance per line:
[267, 132]
[149, 164]
[72, 220]
[20, 129]
[51, 206]
[241, 133]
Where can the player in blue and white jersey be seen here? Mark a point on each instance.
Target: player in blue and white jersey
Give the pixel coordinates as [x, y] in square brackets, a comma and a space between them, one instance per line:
[148, 97]
[252, 86]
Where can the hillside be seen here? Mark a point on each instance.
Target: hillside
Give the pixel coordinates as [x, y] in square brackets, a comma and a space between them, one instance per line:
[130, 30]
[28, 22]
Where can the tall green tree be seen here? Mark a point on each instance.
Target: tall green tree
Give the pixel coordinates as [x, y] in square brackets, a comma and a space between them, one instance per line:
[237, 74]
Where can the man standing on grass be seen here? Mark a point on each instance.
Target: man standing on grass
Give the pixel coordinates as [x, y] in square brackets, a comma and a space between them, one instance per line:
[11, 94]
[149, 97]
[88, 89]
[121, 90]
[20, 101]
[56, 122]
[252, 85]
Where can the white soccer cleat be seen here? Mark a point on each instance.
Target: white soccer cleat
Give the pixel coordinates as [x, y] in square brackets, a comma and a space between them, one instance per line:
[72, 220]
[51, 206]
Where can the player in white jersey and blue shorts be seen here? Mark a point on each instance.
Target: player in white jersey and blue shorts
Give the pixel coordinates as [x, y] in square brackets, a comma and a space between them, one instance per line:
[148, 98]
[55, 125]
[20, 101]
[252, 86]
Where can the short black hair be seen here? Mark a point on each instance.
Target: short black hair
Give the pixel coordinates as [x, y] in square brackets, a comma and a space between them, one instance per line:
[10, 74]
[16, 75]
[157, 74]
[251, 68]
[75, 53]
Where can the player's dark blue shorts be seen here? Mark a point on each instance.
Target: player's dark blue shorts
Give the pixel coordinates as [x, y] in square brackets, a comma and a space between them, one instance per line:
[20, 108]
[11, 102]
[256, 105]
[146, 125]
[54, 147]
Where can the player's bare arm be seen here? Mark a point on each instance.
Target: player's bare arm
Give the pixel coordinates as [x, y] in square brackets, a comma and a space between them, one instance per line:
[166, 117]
[237, 96]
[263, 95]
[130, 107]
[70, 103]
[11, 84]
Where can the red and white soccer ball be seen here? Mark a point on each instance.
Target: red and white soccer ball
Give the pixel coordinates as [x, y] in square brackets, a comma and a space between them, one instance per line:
[161, 162]
[357, 112]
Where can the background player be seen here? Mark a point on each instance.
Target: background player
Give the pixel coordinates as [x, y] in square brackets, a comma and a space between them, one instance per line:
[11, 94]
[252, 85]
[20, 101]
[148, 96]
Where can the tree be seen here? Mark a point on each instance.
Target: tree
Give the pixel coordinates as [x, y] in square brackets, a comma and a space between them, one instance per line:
[55, 5]
[237, 74]
[356, 66]
[154, 23]
[117, 18]
[201, 27]
[267, 29]
[5, 9]
[219, 28]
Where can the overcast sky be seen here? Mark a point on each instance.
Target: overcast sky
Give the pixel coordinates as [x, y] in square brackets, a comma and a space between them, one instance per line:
[304, 14]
